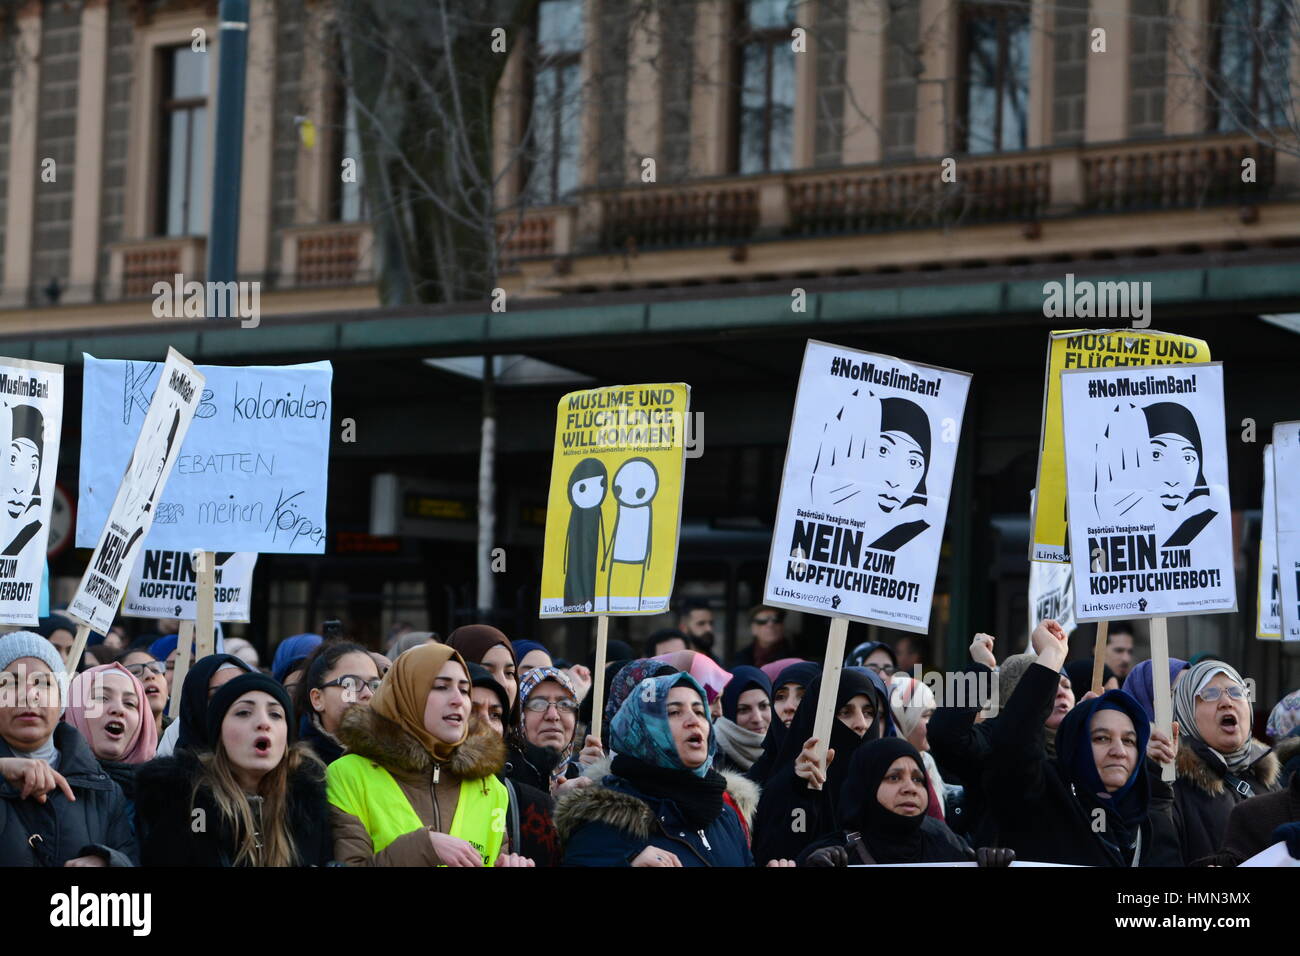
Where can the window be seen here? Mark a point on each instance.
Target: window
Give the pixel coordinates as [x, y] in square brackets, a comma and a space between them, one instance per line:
[765, 129]
[555, 112]
[1252, 50]
[183, 205]
[995, 58]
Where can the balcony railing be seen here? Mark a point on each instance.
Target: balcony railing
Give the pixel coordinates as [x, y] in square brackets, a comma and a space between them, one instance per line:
[1013, 187]
[326, 254]
[135, 265]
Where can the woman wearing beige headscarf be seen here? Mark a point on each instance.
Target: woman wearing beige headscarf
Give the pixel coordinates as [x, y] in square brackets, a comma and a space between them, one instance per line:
[912, 704]
[418, 785]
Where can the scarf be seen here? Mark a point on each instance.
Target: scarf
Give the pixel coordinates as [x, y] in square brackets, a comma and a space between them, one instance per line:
[473, 641]
[1139, 684]
[743, 678]
[404, 693]
[889, 836]
[627, 678]
[145, 742]
[526, 687]
[640, 729]
[741, 745]
[697, 797]
[1239, 760]
[1285, 716]
[700, 666]
[193, 717]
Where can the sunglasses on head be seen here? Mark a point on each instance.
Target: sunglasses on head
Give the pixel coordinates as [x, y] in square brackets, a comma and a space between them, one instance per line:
[765, 619]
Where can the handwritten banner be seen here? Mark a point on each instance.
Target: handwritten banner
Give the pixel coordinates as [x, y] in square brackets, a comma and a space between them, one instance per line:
[252, 474]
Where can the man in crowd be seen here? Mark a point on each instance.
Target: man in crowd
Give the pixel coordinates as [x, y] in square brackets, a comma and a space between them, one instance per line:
[1119, 649]
[695, 620]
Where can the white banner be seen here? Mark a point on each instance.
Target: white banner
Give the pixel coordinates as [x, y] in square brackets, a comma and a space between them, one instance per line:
[1146, 468]
[139, 491]
[1286, 490]
[252, 475]
[31, 414]
[1268, 619]
[1051, 594]
[164, 584]
[864, 495]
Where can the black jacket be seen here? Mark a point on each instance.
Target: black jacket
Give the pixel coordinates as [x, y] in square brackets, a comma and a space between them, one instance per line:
[323, 746]
[58, 830]
[960, 747]
[938, 845]
[1204, 798]
[167, 820]
[1034, 803]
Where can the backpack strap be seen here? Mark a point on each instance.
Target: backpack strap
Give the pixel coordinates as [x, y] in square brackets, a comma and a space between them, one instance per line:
[856, 845]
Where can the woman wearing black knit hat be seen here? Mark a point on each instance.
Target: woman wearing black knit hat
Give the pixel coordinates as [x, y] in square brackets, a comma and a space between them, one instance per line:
[259, 796]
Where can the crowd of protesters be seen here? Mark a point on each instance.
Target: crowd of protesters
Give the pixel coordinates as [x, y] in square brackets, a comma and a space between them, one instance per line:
[477, 750]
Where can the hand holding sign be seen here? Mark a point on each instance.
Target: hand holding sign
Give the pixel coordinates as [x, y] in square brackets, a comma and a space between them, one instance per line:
[808, 767]
[1122, 454]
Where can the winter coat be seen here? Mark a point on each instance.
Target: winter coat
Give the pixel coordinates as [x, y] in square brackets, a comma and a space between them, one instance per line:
[1034, 803]
[324, 746]
[611, 823]
[960, 746]
[1252, 822]
[58, 830]
[1204, 798]
[1288, 755]
[938, 845]
[166, 816]
[383, 743]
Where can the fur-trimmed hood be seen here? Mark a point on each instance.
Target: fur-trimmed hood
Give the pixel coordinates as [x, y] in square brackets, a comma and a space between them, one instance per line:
[597, 804]
[743, 791]
[366, 733]
[1287, 748]
[1195, 769]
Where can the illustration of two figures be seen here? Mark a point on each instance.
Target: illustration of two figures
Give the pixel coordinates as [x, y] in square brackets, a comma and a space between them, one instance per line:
[630, 540]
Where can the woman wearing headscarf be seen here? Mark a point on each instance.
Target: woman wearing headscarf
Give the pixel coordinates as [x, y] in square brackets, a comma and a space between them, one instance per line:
[289, 656]
[882, 814]
[57, 805]
[1177, 463]
[1219, 763]
[418, 785]
[875, 655]
[1138, 684]
[1284, 727]
[1080, 674]
[912, 704]
[773, 670]
[260, 796]
[542, 742]
[407, 641]
[1092, 804]
[530, 654]
[859, 708]
[746, 715]
[787, 691]
[486, 645]
[107, 705]
[662, 803]
[205, 677]
[706, 671]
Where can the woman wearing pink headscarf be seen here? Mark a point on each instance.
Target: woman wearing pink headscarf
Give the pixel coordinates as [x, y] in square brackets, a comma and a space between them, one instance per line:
[705, 670]
[108, 707]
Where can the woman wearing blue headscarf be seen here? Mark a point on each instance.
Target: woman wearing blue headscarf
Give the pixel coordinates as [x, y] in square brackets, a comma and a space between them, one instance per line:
[662, 803]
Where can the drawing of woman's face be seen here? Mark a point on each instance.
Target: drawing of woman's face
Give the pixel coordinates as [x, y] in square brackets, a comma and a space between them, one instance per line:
[1176, 464]
[900, 463]
[588, 492]
[24, 467]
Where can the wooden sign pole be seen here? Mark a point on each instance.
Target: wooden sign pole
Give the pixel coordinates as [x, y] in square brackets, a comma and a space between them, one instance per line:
[830, 688]
[205, 572]
[1098, 658]
[78, 649]
[184, 638]
[1160, 684]
[598, 677]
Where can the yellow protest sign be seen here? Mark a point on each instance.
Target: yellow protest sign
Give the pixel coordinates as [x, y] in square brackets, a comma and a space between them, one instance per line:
[1084, 348]
[615, 504]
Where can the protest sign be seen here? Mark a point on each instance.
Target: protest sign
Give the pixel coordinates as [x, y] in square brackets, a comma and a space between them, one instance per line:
[1147, 472]
[1268, 607]
[139, 493]
[864, 493]
[164, 584]
[252, 475]
[31, 414]
[1286, 492]
[1051, 594]
[615, 504]
[1048, 540]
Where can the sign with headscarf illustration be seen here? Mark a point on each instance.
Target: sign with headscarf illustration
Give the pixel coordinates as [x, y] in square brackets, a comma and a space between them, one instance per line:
[1286, 494]
[1147, 482]
[175, 399]
[864, 495]
[615, 506]
[1268, 604]
[1083, 348]
[31, 415]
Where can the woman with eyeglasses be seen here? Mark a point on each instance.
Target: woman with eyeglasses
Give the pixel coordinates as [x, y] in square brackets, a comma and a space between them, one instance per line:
[152, 673]
[542, 744]
[338, 675]
[1219, 763]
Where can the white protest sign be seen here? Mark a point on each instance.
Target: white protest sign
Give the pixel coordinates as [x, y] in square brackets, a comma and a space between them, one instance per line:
[252, 475]
[156, 449]
[864, 494]
[1268, 609]
[1146, 468]
[164, 584]
[1051, 594]
[1276, 855]
[1286, 491]
[31, 418]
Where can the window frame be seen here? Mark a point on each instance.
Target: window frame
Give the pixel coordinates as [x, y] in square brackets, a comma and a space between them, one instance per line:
[534, 62]
[770, 38]
[165, 108]
[1003, 14]
[1252, 102]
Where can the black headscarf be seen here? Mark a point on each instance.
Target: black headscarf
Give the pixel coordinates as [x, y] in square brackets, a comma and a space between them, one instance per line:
[194, 700]
[802, 674]
[743, 678]
[853, 681]
[890, 837]
[1080, 674]
[902, 415]
[858, 656]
